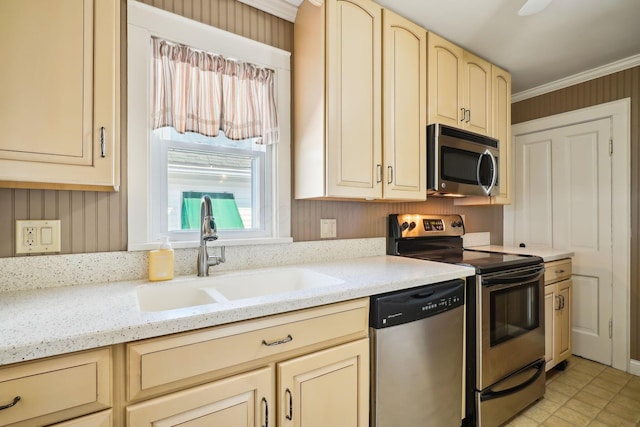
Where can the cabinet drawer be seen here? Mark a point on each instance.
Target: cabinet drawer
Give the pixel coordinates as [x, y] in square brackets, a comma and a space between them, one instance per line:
[179, 360]
[557, 270]
[68, 386]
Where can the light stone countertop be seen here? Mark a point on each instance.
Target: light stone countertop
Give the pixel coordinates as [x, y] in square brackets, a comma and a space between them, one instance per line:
[547, 254]
[37, 323]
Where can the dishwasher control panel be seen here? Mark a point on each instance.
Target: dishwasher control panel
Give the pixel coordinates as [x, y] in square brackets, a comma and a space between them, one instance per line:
[397, 308]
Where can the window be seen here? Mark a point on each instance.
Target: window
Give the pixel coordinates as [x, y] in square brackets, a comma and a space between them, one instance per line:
[169, 172]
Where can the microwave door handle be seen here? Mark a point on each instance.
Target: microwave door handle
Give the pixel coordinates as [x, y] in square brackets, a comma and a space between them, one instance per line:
[487, 190]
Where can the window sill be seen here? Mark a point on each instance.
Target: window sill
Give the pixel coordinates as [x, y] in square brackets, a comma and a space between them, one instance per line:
[220, 242]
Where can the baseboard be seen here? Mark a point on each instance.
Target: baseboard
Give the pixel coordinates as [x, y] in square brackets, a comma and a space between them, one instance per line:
[634, 367]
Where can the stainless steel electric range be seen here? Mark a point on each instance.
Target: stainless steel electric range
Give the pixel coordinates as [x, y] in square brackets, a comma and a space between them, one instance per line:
[505, 318]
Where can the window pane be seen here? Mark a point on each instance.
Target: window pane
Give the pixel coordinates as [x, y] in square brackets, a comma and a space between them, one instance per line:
[231, 173]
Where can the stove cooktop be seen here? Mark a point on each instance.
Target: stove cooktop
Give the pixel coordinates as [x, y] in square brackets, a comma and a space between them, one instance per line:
[483, 262]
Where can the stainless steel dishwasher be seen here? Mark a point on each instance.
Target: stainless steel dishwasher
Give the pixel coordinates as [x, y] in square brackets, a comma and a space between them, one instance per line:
[417, 356]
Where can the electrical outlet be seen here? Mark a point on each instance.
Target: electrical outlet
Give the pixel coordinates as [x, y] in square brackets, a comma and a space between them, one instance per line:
[37, 236]
[327, 228]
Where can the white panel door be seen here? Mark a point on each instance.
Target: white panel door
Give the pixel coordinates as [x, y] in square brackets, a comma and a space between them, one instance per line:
[582, 223]
[533, 197]
[563, 201]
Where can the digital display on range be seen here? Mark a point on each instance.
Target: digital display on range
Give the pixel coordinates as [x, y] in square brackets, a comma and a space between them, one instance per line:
[433, 224]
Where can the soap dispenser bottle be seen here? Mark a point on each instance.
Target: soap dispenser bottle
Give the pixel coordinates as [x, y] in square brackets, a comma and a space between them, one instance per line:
[161, 262]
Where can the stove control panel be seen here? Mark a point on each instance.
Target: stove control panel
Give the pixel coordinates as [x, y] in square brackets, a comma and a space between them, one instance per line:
[422, 225]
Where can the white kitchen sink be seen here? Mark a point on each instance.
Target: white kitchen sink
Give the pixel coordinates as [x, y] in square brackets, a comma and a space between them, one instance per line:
[220, 288]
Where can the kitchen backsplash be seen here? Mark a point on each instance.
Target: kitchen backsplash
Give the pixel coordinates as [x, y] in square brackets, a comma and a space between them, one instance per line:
[38, 272]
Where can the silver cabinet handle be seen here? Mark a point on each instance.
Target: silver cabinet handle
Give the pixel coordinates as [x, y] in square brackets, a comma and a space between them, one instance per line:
[285, 340]
[379, 168]
[468, 116]
[9, 405]
[558, 302]
[559, 271]
[562, 299]
[289, 416]
[266, 412]
[390, 177]
[464, 114]
[103, 143]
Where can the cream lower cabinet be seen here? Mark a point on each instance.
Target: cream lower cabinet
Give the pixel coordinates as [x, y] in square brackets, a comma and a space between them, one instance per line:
[557, 309]
[326, 388]
[59, 94]
[242, 400]
[57, 389]
[300, 369]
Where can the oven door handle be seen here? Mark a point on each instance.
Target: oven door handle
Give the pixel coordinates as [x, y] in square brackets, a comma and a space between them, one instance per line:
[514, 279]
[490, 394]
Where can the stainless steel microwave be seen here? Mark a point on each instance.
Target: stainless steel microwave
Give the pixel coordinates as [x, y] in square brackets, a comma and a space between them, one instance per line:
[461, 163]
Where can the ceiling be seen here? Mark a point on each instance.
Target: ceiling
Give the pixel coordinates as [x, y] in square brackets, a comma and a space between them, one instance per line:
[566, 38]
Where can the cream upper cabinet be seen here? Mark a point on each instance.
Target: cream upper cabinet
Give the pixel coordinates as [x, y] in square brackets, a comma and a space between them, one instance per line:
[404, 107]
[501, 98]
[342, 105]
[326, 388]
[445, 78]
[337, 100]
[459, 87]
[59, 94]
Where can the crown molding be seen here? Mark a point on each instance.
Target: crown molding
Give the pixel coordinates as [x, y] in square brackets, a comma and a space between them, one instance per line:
[582, 77]
[285, 9]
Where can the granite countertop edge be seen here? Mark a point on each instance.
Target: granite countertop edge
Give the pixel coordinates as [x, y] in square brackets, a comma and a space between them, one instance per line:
[53, 321]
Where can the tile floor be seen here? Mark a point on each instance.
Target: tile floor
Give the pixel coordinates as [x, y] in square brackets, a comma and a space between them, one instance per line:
[586, 393]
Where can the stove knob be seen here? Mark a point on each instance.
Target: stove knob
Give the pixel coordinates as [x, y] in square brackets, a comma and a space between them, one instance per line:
[405, 225]
[412, 225]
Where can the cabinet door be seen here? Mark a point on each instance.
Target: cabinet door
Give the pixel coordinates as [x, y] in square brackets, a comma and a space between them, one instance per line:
[477, 94]
[404, 108]
[326, 388]
[563, 321]
[244, 400]
[354, 134]
[549, 323]
[501, 88]
[445, 77]
[59, 93]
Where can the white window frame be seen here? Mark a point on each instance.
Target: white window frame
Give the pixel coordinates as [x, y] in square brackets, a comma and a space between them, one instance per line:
[145, 22]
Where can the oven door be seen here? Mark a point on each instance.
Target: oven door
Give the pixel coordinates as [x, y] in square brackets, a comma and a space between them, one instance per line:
[510, 328]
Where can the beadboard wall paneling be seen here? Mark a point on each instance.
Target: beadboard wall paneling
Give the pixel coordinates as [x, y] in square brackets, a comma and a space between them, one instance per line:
[623, 84]
[369, 219]
[235, 17]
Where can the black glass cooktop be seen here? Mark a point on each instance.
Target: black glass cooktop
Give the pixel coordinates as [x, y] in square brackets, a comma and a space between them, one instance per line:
[483, 262]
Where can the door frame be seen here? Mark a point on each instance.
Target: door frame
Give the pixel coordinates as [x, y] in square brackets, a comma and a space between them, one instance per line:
[620, 114]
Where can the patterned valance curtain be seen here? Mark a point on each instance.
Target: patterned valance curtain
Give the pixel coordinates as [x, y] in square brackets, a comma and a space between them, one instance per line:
[196, 91]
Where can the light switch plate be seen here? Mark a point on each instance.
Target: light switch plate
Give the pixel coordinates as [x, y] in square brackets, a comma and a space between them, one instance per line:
[41, 236]
[327, 228]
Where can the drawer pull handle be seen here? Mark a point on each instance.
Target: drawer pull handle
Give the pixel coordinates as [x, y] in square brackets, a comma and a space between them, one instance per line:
[15, 400]
[289, 416]
[266, 412]
[278, 342]
[559, 271]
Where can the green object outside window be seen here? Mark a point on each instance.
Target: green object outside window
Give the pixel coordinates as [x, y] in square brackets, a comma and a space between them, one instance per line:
[225, 210]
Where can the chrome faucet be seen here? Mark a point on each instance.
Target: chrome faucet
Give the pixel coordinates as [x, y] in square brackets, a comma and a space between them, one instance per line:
[208, 232]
